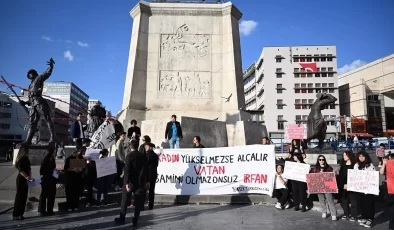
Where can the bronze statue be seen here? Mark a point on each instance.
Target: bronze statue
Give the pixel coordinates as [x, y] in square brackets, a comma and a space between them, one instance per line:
[317, 126]
[38, 106]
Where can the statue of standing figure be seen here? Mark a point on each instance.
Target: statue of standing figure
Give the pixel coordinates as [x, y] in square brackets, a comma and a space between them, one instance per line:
[317, 127]
[38, 105]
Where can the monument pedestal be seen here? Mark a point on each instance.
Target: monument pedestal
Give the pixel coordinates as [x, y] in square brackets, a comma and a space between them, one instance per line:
[36, 154]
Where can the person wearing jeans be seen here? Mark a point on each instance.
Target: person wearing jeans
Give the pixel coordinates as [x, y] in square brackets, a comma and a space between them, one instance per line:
[325, 198]
[173, 133]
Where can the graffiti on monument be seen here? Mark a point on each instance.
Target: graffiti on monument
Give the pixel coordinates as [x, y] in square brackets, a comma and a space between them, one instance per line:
[185, 84]
[185, 46]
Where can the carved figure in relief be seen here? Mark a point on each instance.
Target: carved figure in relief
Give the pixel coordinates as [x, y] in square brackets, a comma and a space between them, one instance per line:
[177, 84]
[204, 88]
[179, 45]
[187, 84]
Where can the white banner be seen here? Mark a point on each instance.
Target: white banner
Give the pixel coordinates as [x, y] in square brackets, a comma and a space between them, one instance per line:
[105, 166]
[363, 181]
[104, 136]
[296, 171]
[217, 171]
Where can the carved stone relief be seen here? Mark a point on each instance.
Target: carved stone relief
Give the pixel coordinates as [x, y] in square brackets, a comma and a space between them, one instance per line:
[185, 46]
[185, 84]
[187, 12]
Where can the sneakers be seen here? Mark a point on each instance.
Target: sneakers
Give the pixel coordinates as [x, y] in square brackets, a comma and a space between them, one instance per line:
[119, 220]
[368, 224]
[352, 219]
[333, 218]
[344, 218]
[287, 206]
[278, 206]
[361, 221]
[324, 215]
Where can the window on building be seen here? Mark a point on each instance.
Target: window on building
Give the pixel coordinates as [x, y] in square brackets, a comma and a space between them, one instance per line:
[296, 75]
[324, 74]
[304, 101]
[325, 90]
[317, 85]
[302, 59]
[298, 119]
[296, 86]
[303, 75]
[323, 69]
[278, 70]
[376, 97]
[331, 90]
[296, 70]
[317, 74]
[302, 70]
[4, 126]
[310, 85]
[296, 60]
[280, 122]
[5, 115]
[303, 85]
[316, 59]
[305, 117]
[330, 69]
[309, 59]
[331, 85]
[323, 59]
[279, 104]
[324, 85]
[330, 75]
[278, 75]
[279, 88]
[309, 75]
[317, 69]
[278, 60]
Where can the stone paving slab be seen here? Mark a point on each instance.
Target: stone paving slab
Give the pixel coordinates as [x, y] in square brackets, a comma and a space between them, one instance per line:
[195, 217]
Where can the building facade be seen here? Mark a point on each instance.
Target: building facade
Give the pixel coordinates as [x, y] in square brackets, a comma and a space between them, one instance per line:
[74, 100]
[253, 90]
[93, 102]
[286, 82]
[367, 95]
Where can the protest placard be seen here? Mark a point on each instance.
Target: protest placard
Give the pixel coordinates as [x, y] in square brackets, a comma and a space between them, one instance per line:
[104, 136]
[105, 166]
[77, 163]
[321, 183]
[296, 171]
[295, 131]
[363, 181]
[37, 181]
[390, 176]
[93, 154]
[216, 171]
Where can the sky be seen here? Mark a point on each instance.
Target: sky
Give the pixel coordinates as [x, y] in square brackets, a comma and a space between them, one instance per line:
[90, 39]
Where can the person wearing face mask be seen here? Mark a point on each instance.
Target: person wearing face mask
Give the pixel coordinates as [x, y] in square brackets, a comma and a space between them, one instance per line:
[325, 198]
[48, 184]
[365, 201]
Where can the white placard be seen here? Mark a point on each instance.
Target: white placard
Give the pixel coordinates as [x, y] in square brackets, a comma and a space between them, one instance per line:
[104, 136]
[105, 166]
[55, 174]
[363, 181]
[296, 171]
[217, 171]
[37, 181]
[94, 154]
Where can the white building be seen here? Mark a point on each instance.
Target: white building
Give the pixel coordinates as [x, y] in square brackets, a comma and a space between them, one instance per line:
[283, 85]
[13, 119]
[93, 102]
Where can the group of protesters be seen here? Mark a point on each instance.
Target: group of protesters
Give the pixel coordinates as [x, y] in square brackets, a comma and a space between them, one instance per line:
[357, 207]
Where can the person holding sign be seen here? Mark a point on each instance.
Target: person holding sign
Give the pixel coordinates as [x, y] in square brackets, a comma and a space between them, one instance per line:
[48, 184]
[366, 201]
[136, 181]
[280, 189]
[325, 198]
[347, 162]
[73, 167]
[24, 167]
[299, 189]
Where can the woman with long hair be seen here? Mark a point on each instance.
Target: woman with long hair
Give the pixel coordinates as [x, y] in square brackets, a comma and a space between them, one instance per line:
[48, 184]
[74, 184]
[280, 189]
[365, 201]
[299, 189]
[145, 140]
[347, 162]
[325, 198]
[24, 167]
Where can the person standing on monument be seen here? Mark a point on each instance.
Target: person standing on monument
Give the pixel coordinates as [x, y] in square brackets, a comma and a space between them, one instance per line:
[197, 142]
[173, 133]
[77, 130]
[134, 132]
[120, 157]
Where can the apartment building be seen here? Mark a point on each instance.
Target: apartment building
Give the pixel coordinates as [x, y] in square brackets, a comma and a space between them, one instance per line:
[283, 83]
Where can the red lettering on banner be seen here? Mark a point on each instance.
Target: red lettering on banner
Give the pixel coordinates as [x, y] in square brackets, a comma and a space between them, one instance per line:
[255, 178]
[209, 170]
[172, 158]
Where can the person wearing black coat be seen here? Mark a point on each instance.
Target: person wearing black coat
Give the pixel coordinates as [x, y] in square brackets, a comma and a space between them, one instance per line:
[348, 161]
[24, 167]
[48, 184]
[299, 189]
[74, 184]
[90, 177]
[136, 181]
[153, 160]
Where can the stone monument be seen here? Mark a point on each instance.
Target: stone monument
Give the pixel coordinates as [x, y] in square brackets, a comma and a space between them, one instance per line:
[185, 59]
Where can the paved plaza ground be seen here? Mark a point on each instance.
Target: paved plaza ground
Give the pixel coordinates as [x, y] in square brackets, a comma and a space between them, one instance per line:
[198, 217]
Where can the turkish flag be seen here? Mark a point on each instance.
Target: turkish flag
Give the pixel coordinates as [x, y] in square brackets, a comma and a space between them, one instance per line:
[309, 67]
